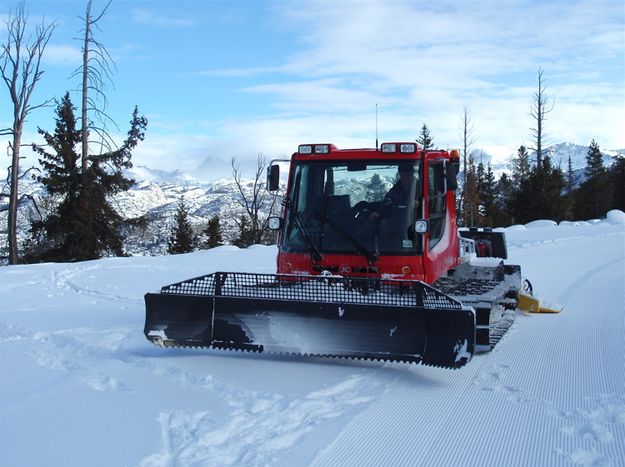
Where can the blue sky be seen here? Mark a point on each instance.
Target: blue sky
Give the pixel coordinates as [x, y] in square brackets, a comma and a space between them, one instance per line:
[220, 78]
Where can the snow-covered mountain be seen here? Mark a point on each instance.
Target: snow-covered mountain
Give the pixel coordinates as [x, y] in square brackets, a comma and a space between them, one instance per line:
[558, 153]
[157, 193]
[156, 196]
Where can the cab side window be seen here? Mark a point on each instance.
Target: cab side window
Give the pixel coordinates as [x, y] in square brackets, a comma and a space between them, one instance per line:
[437, 198]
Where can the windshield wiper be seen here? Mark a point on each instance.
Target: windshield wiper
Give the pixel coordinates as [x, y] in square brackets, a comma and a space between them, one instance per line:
[363, 250]
[313, 250]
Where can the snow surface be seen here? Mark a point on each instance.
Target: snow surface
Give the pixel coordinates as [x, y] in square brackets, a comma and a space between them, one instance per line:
[81, 386]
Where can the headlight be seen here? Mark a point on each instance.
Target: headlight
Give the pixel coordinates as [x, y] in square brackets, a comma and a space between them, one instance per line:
[305, 149]
[322, 148]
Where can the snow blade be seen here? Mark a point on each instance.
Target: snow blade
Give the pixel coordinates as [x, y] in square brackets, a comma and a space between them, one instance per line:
[406, 321]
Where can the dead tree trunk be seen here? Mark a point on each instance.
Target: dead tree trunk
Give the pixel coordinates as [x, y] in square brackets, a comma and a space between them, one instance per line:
[540, 108]
[85, 86]
[20, 68]
[467, 141]
[94, 70]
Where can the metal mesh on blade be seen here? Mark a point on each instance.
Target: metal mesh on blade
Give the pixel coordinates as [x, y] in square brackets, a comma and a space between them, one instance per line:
[329, 289]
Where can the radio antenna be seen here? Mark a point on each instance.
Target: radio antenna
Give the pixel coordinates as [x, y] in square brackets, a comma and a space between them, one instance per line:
[376, 126]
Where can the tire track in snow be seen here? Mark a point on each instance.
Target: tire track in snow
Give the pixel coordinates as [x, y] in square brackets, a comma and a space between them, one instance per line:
[256, 432]
[62, 351]
[577, 286]
[258, 429]
[580, 370]
[64, 280]
[593, 425]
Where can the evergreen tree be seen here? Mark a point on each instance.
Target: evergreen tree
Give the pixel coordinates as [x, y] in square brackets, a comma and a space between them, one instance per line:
[181, 239]
[83, 225]
[424, 139]
[594, 197]
[505, 188]
[617, 176]
[488, 195]
[52, 238]
[213, 233]
[570, 189]
[594, 161]
[539, 196]
[570, 177]
[521, 166]
[480, 174]
[246, 234]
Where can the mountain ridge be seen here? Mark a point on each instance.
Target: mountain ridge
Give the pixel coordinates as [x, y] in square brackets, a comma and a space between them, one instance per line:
[157, 192]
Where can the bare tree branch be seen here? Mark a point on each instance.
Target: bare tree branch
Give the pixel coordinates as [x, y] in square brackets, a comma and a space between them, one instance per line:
[95, 71]
[20, 67]
[257, 201]
[467, 141]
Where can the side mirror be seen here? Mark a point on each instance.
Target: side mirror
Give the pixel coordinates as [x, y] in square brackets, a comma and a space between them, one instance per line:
[273, 177]
[421, 226]
[452, 175]
[274, 223]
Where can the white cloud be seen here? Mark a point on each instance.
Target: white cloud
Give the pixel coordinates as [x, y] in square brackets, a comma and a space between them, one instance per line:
[144, 16]
[62, 55]
[422, 63]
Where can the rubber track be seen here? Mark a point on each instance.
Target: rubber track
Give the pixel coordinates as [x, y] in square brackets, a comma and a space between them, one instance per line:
[480, 290]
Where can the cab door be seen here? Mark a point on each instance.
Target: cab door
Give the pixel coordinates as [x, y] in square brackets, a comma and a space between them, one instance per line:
[441, 244]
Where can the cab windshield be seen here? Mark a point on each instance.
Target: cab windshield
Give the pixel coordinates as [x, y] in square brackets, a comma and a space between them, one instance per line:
[354, 208]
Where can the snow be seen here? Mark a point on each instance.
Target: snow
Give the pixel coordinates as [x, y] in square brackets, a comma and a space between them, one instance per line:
[615, 217]
[80, 385]
[541, 224]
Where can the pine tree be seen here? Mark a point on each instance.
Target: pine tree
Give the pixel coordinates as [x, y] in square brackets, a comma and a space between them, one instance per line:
[480, 174]
[570, 177]
[488, 195]
[504, 191]
[181, 239]
[594, 161]
[521, 166]
[84, 225]
[550, 187]
[594, 197]
[424, 139]
[617, 176]
[246, 233]
[570, 189]
[539, 196]
[213, 233]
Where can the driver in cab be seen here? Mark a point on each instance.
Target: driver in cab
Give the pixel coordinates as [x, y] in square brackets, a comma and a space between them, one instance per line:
[402, 194]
